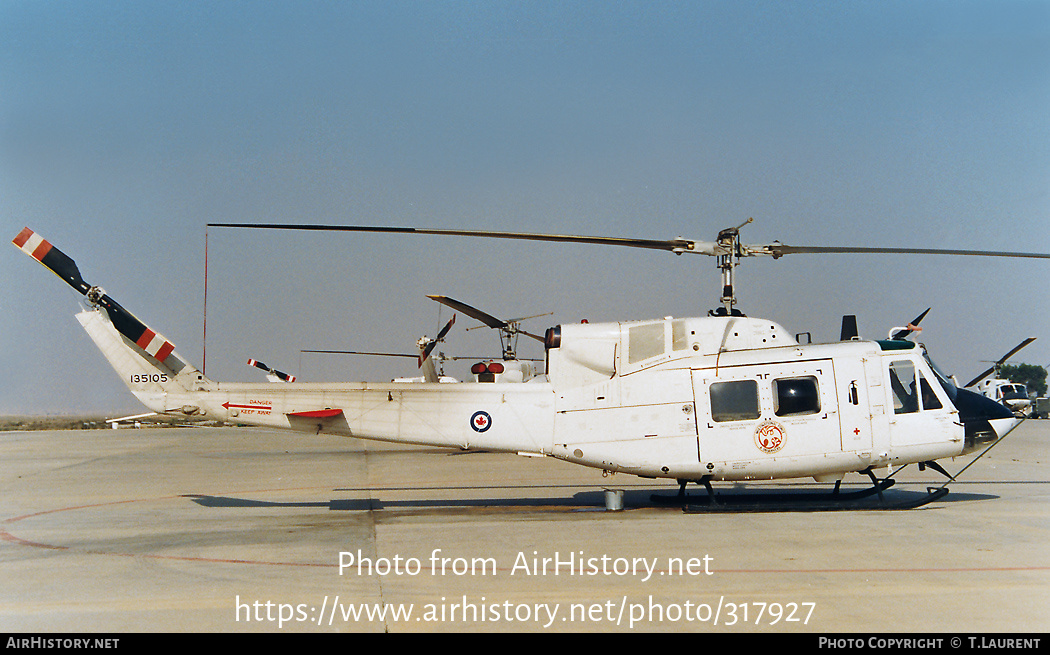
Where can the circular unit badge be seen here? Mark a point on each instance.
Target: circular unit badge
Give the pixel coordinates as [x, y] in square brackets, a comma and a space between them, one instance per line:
[481, 421]
[769, 437]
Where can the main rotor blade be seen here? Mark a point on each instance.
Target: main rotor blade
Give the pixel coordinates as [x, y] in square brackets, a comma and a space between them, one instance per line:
[525, 318]
[1019, 346]
[677, 246]
[473, 312]
[900, 334]
[360, 352]
[778, 250]
[671, 245]
[415, 356]
[1002, 359]
[980, 377]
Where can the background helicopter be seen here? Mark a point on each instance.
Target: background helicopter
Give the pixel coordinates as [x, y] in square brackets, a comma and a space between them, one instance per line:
[508, 368]
[272, 374]
[1013, 396]
[429, 362]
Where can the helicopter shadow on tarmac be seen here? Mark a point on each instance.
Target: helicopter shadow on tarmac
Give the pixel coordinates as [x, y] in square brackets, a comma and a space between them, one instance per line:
[588, 500]
[748, 501]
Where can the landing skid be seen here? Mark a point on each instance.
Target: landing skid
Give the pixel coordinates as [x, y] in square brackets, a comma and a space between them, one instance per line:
[800, 501]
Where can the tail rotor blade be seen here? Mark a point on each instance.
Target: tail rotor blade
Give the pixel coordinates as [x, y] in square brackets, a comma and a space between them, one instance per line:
[444, 330]
[135, 330]
[429, 348]
[54, 259]
[64, 267]
[426, 353]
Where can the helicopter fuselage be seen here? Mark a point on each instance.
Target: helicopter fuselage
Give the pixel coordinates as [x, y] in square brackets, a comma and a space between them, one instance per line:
[722, 398]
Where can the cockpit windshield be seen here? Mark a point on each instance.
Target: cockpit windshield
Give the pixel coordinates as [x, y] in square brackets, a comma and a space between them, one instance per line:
[946, 382]
[1016, 390]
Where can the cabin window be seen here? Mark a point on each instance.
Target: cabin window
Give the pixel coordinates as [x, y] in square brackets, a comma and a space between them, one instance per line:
[796, 396]
[734, 401]
[645, 341]
[902, 384]
[679, 335]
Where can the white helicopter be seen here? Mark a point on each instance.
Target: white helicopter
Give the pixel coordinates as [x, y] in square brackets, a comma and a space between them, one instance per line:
[1014, 396]
[721, 397]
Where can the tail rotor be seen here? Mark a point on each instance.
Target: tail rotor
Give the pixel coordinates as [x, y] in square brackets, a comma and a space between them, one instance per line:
[124, 321]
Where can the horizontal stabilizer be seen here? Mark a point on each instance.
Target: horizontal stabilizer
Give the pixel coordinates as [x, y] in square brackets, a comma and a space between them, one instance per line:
[317, 413]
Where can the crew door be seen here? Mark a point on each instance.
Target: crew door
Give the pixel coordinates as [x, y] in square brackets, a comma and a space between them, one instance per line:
[921, 410]
[750, 413]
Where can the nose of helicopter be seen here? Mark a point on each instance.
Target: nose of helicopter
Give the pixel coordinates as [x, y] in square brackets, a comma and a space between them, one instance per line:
[1003, 425]
[984, 419]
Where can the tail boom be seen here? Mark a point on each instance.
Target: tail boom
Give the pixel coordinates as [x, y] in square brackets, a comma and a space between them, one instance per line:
[448, 415]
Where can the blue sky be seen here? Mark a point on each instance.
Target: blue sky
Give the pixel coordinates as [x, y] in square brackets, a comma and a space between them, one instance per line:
[126, 127]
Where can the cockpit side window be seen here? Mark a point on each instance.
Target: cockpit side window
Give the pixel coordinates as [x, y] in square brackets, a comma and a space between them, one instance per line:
[904, 381]
[929, 398]
[903, 386]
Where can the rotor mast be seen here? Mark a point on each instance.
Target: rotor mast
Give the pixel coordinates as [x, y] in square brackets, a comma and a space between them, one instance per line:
[729, 245]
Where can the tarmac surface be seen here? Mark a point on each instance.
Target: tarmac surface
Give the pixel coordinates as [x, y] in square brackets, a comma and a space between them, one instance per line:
[228, 530]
